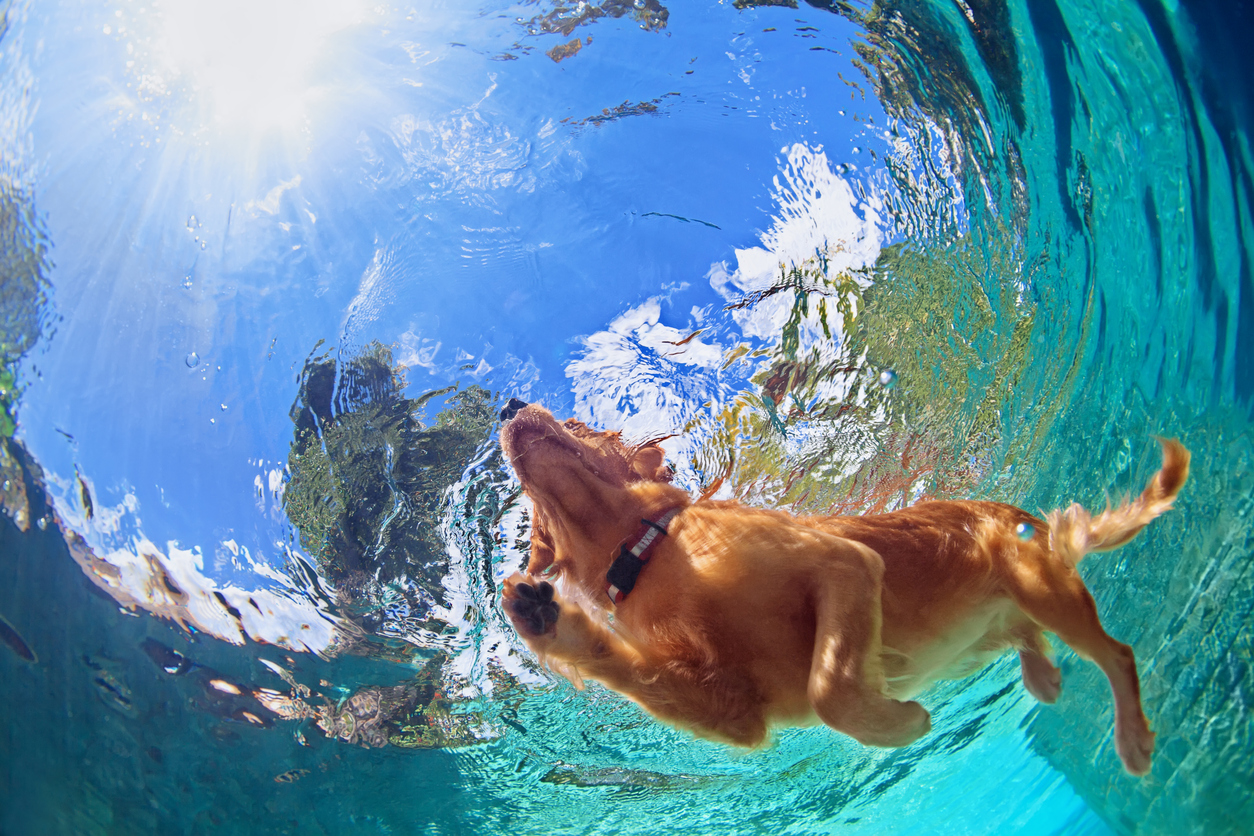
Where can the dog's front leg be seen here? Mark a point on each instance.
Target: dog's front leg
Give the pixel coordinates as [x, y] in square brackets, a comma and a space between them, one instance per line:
[846, 687]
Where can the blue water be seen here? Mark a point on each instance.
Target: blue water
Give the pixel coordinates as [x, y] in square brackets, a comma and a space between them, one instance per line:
[269, 269]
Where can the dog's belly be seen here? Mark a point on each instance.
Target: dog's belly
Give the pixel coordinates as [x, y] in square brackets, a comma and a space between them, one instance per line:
[913, 663]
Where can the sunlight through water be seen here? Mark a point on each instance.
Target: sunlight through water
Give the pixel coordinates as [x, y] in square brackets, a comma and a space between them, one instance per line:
[248, 65]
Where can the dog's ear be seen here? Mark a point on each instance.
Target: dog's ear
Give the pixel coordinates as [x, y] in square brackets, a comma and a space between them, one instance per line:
[578, 428]
[542, 552]
[649, 463]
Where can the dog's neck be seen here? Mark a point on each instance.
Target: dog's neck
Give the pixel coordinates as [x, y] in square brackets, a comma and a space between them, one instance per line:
[586, 549]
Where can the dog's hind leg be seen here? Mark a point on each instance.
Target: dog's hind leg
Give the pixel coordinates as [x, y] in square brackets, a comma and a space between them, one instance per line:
[1052, 593]
[1040, 676]
[846, 687]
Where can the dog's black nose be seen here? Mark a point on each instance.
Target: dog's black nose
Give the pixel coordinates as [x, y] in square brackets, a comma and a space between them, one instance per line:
[511, 409]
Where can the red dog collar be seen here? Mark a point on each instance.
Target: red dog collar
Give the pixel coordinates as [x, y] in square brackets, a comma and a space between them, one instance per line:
[621, 578]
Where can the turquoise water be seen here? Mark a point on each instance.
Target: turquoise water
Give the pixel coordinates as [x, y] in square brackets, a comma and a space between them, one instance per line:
[270, 269]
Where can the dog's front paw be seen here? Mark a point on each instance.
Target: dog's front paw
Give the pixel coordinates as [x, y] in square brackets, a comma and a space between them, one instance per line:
[531, 607]
[908, 721]
[886, 722]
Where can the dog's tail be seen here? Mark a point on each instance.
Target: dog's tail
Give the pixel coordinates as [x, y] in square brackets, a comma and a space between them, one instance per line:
[1073, 533]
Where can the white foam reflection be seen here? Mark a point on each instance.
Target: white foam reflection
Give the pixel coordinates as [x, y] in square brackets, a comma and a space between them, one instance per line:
[641, 375]
[171, 583]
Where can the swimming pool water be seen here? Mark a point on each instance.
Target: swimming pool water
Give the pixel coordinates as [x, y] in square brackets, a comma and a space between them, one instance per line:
[270, 269]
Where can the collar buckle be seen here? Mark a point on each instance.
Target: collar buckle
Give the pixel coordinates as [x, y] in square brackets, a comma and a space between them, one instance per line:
[621, 579]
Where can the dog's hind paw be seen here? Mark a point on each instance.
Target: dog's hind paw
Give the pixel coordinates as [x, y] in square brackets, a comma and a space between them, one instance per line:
[1134, 743]
[531, 607]
[1040, 676]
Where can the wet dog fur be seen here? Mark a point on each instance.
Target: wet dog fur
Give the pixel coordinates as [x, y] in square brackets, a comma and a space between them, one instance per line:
[746, 619]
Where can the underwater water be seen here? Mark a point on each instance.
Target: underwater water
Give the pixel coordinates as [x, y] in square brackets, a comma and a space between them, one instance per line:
[270, 270]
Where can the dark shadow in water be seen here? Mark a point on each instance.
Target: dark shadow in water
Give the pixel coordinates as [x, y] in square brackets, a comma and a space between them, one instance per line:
[1227, 91]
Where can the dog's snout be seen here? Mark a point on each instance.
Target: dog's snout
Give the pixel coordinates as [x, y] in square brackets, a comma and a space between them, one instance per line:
[511, 408]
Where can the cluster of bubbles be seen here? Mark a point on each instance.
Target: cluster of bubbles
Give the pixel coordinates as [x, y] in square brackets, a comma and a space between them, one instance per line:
[192, 225]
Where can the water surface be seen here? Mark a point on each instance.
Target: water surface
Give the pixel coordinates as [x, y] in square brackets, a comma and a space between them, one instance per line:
[270, 270]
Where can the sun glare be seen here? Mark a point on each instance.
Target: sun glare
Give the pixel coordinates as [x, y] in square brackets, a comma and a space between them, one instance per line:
[251, 63]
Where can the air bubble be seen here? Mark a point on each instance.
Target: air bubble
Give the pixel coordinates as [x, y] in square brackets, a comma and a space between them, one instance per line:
[193, 360]
[187, 283]
[1025, 531]
[888, 378]
[223, 407]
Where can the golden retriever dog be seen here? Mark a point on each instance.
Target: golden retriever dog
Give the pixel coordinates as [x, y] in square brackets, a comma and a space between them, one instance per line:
[728, 620]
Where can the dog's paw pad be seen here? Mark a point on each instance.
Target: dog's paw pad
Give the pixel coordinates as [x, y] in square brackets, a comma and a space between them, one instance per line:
[540, 593]
[532, 607]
